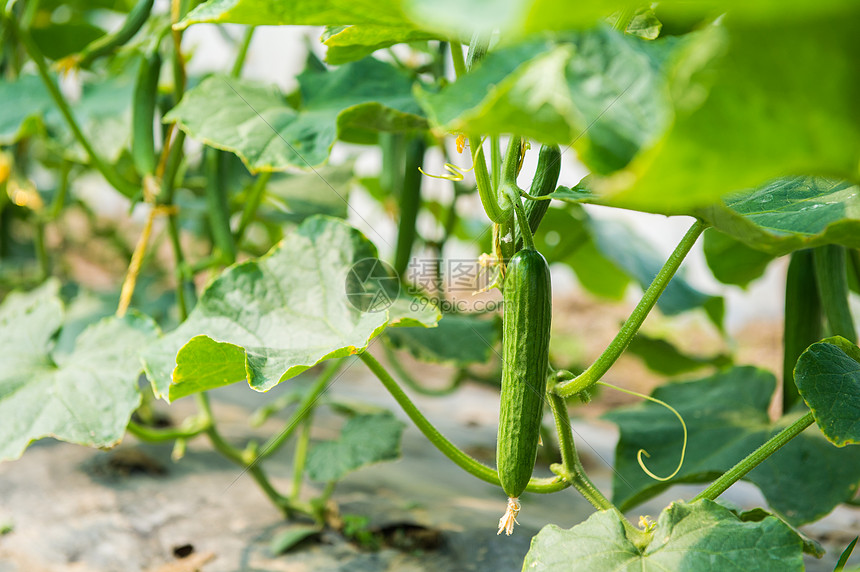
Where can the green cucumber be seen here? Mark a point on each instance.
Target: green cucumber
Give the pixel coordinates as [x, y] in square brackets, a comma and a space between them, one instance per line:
[109, 43]
[525, 355]
[803, 319]
[831, 275]
[143, 115]
[544, 182]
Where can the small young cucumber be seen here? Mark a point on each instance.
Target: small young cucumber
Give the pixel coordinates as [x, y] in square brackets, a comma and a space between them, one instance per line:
[109, 43]
[525, 355]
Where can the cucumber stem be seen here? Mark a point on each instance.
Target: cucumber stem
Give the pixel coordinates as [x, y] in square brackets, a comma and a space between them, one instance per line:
[611, 354]
[461, 459]
[755, 458]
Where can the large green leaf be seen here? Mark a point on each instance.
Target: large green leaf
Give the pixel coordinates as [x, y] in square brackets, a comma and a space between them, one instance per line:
[459, 339]
[606, 255]
[663, 357]
[254, 121]
[31, 102]
[601, 89]
[365, 439]
[828, 378]
[726, 415]
[692, 537]
[791, 213]
[351, 43]
[640, 260]
[512, 18]
[269, 319]
[738, 95]
[298, 12]
[103, 112]
[86, 396]
[732, 261]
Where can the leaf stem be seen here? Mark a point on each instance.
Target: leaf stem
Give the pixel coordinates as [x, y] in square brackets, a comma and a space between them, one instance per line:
[107, 170]
[486, 190]
[189, 429]
[597, 370]
[571, 467]
[252, 204]
[216, 199]
[242, 53]
[300, 457]
[303, 409]
[755, 458]
[450, 450]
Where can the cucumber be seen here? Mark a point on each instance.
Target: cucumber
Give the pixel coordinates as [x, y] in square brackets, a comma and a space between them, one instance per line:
[544, 182]
[109, 43]
[143, 115]
[525, 355]
[803, 319]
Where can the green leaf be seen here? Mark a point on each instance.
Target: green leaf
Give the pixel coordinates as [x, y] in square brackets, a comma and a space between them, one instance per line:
[790, 214]
[515, 18]
[663, 357]
[640, 261]
[298, 12]
[31, 102]
[727, 418]
[296, 197]
[352, 102]
[287, 539]
[351, 43]
[810, 546]
[269, 319]
[365, 439]
[84, 397]
[732, 261]
[737, 92]
[697, 536]
[600, 90]
[59, 40]
[828, 378]
[459, 339]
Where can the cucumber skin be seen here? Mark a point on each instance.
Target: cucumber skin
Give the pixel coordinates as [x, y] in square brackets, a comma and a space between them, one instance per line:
[525, 354]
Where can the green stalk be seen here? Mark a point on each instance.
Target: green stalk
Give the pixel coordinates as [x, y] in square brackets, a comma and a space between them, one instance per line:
[450, 450]
[107, 170]
[832, 280]
[300, 457]
[239, 62]
[496, 161]
[755, 458]
[597, 370]
[486, 190]
[802, 320]
[412, 383]
[410, 203]
[303, 410]
[219, 216]
[252, 203]
[571, 465]
[152, 435]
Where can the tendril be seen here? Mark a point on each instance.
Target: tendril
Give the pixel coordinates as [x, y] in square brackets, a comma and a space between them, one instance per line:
[643, 451]
[457, 174]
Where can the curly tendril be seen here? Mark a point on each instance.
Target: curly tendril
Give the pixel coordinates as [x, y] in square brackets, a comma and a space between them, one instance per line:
[643, 451]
